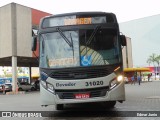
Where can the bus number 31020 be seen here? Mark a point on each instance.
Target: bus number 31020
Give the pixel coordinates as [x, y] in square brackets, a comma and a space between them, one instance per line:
[94, 83]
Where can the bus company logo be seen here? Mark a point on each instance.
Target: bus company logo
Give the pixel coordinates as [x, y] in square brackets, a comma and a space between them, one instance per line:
[65, 84]
[6, 114]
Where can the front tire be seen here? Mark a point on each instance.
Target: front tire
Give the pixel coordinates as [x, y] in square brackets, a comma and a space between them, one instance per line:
[59, 107]
[109, 104]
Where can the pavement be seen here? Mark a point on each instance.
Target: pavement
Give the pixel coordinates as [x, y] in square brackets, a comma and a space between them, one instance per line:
[143, 97]
[139, 98]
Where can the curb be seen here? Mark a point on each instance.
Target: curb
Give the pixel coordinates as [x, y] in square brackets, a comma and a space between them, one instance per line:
[14, 93]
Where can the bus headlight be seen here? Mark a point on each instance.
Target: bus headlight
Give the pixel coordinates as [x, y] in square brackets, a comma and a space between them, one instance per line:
[119, 78]
[116, 81]
[45, 84]
[50, 88]
[113, 83]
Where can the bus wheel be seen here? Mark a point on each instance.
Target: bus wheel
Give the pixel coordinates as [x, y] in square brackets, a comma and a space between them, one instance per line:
[110, 104]
[59, 107]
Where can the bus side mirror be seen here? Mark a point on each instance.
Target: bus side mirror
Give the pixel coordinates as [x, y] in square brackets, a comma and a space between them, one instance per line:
[123, 40]
[34, 43]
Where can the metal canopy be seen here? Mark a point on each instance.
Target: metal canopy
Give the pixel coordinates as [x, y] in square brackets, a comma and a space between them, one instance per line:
[136, 70]
[21, 61]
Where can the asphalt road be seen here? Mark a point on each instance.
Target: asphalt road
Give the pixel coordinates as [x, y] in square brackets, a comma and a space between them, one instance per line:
[141, 101]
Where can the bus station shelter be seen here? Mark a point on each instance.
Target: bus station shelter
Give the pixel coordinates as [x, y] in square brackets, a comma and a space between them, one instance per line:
[129, 72]
[136, 70]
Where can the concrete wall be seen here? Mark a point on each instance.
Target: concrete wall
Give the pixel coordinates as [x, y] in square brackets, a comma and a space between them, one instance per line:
[127, 54]
[5, 31]
[15, 31]
[24, 30]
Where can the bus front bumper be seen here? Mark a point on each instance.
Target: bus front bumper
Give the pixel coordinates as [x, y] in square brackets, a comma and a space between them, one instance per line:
[116, 94]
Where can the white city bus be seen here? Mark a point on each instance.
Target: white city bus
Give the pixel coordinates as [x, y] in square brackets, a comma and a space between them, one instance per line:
[80, 59]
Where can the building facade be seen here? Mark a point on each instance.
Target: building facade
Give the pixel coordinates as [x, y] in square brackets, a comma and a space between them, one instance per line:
[145, 36]
[17, 26]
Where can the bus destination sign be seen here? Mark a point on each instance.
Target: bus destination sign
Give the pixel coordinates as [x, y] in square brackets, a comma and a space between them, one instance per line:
[72, 20]
[77, 21]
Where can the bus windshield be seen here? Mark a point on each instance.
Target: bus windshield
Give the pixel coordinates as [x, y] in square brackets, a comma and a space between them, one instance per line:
[85, 47]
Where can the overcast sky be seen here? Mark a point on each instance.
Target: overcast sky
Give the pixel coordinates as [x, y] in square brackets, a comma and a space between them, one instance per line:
[124, 9]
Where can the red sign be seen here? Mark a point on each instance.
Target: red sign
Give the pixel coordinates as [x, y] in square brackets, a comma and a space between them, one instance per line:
[82, 95]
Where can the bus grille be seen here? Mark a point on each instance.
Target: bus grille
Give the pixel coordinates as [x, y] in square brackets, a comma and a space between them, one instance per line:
[72, 74]
[69, 94]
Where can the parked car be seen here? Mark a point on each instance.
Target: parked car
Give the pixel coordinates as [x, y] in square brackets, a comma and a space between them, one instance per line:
[25, 86]
[7, 88]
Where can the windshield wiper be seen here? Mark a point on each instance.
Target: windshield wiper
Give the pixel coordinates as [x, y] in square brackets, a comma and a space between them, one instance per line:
[72, 44]
[93, 34]
[64, 37]
[90, 38]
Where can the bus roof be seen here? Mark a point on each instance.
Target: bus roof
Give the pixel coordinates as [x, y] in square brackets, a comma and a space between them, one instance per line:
[78, 18]
[81, 13]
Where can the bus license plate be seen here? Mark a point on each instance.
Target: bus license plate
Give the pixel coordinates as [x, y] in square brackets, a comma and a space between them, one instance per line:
[82, 95]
